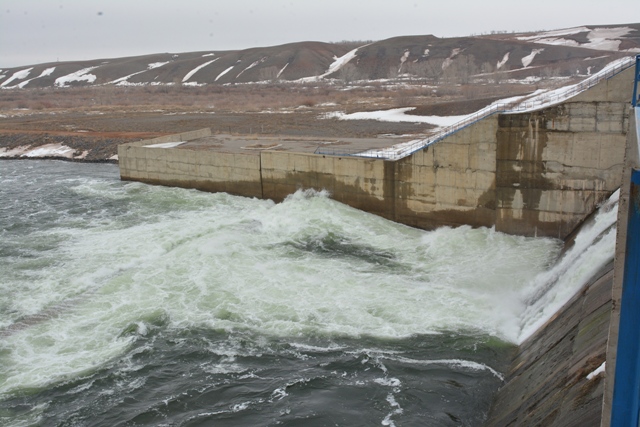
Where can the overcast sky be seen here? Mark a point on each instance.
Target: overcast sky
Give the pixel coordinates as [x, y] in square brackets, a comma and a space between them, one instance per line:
[37, 31]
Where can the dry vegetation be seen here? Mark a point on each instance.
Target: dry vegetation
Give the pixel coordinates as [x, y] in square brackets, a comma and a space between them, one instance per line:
[251, 97]
[99, 118]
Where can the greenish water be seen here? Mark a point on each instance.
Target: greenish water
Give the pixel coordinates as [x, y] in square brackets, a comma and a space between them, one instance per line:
[128, 304]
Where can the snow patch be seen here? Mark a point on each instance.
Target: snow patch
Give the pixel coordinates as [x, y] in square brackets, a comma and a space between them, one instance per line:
[18, 75]
[79, 76]
[448, 61]
[554, 33]
[599, 38]
[403, 59]
[224, 72]
[259, 61]
[396, 115]
[14, 152]
[122, 81]
[336, 65]
[283, 68]
[195, 70]
[504, 60]
[165, 145]
[527, 60]
[598, 371]
[606, 38]
[47, 150]
[156, 65]
[45, 73]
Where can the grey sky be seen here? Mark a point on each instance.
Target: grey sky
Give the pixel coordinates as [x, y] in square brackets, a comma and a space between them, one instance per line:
[36, 31]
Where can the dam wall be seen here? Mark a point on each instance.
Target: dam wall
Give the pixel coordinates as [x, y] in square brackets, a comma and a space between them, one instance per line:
[548, 383]
[554, 378]
[151, 162]
[539, 172]
[532, 173]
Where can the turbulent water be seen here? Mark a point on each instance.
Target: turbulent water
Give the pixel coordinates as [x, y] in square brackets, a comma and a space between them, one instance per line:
[128, 304]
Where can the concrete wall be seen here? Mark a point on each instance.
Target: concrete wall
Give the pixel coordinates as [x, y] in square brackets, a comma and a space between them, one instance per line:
[556, 165]
[191, 168]
[538, 173]
[178, 137]
[366, 184]
[547, 383]
[632, 160]
[451, 182]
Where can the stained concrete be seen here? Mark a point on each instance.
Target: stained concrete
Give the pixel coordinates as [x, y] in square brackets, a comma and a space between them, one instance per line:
[536, 173]
[547, 383]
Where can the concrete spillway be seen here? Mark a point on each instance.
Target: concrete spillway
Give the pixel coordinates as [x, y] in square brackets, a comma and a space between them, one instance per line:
[538, 173]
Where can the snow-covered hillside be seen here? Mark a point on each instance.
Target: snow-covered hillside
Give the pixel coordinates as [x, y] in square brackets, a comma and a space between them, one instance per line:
[580, 50]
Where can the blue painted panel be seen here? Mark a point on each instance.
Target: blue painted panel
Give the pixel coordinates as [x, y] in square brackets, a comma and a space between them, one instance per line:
[626, 394]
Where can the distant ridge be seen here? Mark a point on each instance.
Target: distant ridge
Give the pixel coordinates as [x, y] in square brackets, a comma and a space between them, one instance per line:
[579, 50]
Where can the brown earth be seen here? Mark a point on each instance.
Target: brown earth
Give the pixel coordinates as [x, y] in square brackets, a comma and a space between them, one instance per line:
[97, 121]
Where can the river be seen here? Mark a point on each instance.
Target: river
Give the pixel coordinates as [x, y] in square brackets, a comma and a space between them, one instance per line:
[128, 304]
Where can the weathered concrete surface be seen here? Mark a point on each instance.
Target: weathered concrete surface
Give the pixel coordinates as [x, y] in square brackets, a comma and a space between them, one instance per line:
[450, 183]
[538, 173]
[367, 184]
[556, 165]
[632, 160]
[547, 383]
[205, 170]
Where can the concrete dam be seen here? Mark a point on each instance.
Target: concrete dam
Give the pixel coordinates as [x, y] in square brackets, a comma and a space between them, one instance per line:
[538, 171]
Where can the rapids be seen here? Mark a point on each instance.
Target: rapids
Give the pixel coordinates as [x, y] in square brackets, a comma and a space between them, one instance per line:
[127, 303]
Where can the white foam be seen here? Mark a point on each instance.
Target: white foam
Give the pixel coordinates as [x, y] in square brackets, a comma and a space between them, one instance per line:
[216, 261]
[593, 247]
[456, 363]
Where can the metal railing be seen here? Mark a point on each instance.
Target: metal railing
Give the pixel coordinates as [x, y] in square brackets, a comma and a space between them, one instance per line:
[531, 104]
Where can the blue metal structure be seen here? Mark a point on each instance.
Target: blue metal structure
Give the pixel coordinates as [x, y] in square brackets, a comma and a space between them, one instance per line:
[625, 410]
[626, 394]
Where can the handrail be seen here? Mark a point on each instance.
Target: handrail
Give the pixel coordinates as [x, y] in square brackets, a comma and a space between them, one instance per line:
[543, 100]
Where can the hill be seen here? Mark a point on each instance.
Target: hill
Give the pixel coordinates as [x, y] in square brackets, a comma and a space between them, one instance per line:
[580, 50]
